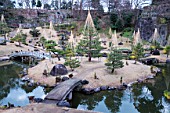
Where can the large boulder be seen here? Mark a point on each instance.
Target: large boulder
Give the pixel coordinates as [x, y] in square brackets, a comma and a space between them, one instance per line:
[168, 61]
[59, 69]
[156, 52]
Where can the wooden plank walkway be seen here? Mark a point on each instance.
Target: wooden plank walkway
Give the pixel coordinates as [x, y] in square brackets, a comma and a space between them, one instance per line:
[61, 91]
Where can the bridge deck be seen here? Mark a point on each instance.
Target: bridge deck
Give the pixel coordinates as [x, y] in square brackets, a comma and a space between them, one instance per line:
[60, 92]
[162, 59]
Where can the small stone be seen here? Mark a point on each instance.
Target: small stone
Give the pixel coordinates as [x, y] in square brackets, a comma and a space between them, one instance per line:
[38, 100]
[84, 82]
[65, 78]
[111, 88]
[97, 90]
[125, 85]
[103, 88]
[63, 104]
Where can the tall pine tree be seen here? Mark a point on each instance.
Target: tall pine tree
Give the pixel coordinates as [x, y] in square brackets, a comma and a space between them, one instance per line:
[90, 43]
[114, 60]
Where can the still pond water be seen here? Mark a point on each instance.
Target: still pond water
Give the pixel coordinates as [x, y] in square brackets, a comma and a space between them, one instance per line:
[141, 98]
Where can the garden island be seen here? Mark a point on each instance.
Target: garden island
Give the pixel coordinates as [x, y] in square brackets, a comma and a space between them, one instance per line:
[84, 56]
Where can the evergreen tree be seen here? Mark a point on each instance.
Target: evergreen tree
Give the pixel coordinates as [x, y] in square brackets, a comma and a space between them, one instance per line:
[33, 3]
[18, 38]
[35, 32]
[49, 45]
[90, 45]
[167, 49]
[72, 63]
[69, 51]
[138, 51]
[54, 4]
[39, 4]
[114, 60]
[4, 29]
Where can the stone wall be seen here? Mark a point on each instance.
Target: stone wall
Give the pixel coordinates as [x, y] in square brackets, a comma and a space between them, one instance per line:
[150, 19]
[33, 17]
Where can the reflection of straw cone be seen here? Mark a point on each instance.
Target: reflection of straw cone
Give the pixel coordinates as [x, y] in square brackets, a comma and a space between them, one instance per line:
[2, 18]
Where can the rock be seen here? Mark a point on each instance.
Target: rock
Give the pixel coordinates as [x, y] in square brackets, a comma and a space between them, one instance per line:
[88, 91]
[25, 78]
[125, 85]
[103, 88]
[97, 90]
[147, 55]
[156, 52]
[30, 84]
[38, 100]
[120, 43]
[63, 104]
[121, 87]
[168, 61]
[150, 77]
[139, 80]
[59, 69]
[31, 81]
[84, 82]
[65, 78]
[111, 88]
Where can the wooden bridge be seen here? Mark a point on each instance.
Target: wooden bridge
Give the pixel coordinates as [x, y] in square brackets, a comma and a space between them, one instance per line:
[161, 59]
[60, 92]
[33, 54]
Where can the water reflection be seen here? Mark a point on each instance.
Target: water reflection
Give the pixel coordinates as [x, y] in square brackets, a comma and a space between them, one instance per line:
[14, 91]
[144, 98]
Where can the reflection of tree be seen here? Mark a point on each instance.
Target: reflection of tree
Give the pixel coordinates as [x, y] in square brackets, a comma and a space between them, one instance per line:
[113, 100]
[90, 100]
[8, 79]
[145, 105]
[166, 74]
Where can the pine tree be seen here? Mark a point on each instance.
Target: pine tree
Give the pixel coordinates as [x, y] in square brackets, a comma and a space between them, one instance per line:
[33, 3]
[72, 63]
[39, 4]
[89, 45]
[4, 29]
[167, 49]
[138, 51]
[18, 38]
[114, 60]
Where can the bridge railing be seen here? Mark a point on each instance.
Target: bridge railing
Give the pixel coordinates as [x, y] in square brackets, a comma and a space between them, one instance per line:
[31, 53]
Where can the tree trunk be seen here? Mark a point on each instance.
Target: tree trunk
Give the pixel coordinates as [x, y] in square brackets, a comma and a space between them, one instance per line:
[81, 5]
[89, 55]
[113, 70]
[19, 43]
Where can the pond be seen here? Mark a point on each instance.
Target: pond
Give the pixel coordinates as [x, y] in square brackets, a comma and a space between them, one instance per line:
[12, 89]
[141, 98]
